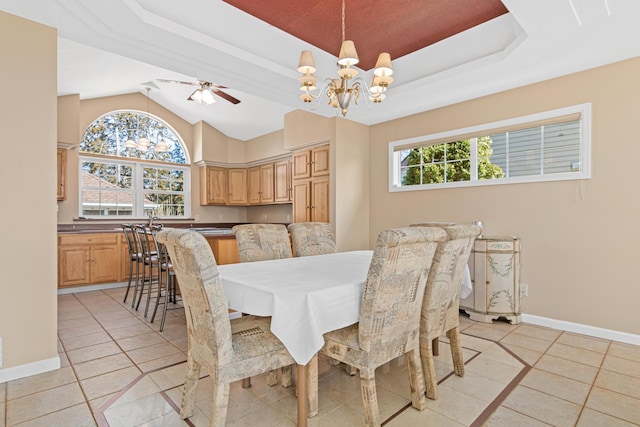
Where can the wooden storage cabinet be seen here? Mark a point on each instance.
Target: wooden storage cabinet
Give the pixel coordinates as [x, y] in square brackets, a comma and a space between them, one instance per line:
[62, 174]
[283, 181]
[494, 265]
[311, 195]
[213, 185]
[225, 250]
[260, 185]
[237, 186]
[88, 259]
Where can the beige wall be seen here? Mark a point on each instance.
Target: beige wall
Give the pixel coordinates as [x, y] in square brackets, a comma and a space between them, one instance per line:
[580, 239]
[28, 321]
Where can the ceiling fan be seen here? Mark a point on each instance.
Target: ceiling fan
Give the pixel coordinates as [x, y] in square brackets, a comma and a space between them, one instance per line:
[205, 91]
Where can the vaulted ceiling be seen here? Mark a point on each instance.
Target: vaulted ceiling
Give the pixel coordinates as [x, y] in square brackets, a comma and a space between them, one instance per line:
[443, 51]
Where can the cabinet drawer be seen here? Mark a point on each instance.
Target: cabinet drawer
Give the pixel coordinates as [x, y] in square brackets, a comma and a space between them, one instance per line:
[88, 239]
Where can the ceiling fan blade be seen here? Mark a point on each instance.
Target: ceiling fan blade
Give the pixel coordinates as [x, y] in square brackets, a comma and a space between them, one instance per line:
[178, 82]
[226, 96]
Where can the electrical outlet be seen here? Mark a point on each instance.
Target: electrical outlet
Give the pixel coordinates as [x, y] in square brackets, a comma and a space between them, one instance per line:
[197, 217]
[220, 217]
[288, 218]
[524, 290]
[264, 217]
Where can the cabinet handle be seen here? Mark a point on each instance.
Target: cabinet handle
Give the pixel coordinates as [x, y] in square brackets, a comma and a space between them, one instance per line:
[86, 260]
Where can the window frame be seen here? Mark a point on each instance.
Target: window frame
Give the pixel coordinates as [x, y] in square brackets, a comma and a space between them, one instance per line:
[517, 123]
[137, 165]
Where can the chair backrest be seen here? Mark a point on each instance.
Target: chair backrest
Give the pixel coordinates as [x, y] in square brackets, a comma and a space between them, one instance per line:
[146, 242]
[161, 248]
[442, 297]
[261, 242]
[130, 237]
[394, 289]
[312, 238]
[208, 325]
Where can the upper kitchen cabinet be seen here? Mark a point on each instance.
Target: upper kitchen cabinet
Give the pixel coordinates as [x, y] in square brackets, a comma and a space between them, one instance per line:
[237, 187]
[311, 163]
[260, 187]
[213, 185]
[282, 181]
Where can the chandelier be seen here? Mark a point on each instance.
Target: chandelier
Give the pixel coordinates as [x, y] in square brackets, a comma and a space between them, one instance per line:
[342, 90]
[143, 145]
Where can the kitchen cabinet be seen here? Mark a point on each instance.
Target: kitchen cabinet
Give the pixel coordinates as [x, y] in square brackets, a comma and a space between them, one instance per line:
[62, 174]
[311, 200]
[88, 259]
[494, 265]
[225, 250]
[213, 185]
[283, 181]
[260, 185]
[310, 188]
[311, 163]
[237, 187]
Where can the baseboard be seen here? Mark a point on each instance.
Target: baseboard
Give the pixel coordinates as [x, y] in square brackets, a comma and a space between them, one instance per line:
[579, 328]
[89, 288]
[28, 369]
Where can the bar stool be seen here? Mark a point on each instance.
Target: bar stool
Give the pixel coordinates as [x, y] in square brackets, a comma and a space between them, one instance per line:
[149, 261]
[167, 286]
[135, 258]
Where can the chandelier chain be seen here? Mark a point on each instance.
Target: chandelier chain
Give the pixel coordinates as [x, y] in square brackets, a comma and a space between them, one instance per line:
[343, 37]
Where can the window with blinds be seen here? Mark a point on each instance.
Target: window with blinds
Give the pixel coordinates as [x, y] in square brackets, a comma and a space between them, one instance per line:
[549, 146]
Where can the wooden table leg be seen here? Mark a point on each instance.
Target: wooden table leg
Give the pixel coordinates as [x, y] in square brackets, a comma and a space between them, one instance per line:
[301, 384]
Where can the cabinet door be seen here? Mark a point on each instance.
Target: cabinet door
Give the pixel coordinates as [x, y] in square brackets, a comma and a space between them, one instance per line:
[213, 186]
[301, 200]
[320, 200]
[62, 174]
[104, 263]
[237, 182]
[320, 161]
[301, 164]
[73, 265]
[253, 185]
[266, 184]
[282, 173]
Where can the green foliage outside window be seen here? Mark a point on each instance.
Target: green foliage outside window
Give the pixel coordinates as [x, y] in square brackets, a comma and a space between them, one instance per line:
[448, 162]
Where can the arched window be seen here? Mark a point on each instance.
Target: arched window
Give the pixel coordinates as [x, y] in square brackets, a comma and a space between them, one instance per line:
[122, 176]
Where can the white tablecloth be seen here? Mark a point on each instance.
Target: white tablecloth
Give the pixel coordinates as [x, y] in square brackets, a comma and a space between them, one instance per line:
[305, 296]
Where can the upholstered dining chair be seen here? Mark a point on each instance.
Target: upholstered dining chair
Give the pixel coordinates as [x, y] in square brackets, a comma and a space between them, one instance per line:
[261, 242]
[389, 313]
[312, 238]
[228, 350]
[442, 299]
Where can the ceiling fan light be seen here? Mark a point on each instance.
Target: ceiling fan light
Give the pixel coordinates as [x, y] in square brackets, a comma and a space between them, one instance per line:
[130, 144]
[348, 54]
[196, 96]
[207, 97]
[383, 65]
[306, 65]
[162, 147]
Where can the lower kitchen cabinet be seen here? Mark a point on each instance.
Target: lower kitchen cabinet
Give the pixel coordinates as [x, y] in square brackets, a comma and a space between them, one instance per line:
[88, 259]
[494, 265]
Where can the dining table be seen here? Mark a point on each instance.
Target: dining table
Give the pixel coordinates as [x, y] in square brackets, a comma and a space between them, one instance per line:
[305, 297]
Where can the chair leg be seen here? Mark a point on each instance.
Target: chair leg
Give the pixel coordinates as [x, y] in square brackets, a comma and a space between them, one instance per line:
[170, 285]
[350, 370]
[142, 283]
[272, 377]
[428, 368]
[130, 279]
[158, 296]
[190, 387]
[416, 380]
[137, 284]
[435, 345]
[246, 382]
[369, 397]
[286, 376]
[219, 405]
[456, 351]
[312, 387]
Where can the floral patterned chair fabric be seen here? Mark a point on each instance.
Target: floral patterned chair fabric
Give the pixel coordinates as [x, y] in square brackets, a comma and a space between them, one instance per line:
[312, 238]
[442, 299]
[260, 242]
[389, 313]
[228, 350]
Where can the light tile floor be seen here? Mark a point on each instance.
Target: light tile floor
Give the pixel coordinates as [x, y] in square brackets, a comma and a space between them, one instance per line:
[118, 370]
